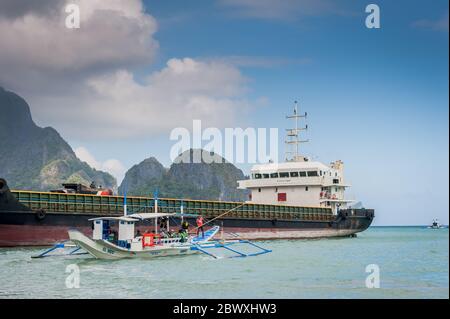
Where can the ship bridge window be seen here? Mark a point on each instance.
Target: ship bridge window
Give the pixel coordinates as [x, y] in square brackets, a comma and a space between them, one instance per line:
[294, 174]
[258, 176]
[335, 181]
[266, 175]
[284, 174]
[302, 174]
[312, 173]
[274, 175]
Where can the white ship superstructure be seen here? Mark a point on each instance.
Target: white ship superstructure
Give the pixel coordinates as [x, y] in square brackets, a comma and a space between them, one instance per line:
[298, 181]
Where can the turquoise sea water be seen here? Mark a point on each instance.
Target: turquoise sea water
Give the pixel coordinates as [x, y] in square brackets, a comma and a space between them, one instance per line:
[413, 263]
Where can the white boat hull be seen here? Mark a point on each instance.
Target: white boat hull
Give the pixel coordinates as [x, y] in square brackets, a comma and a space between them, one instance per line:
[102, 249]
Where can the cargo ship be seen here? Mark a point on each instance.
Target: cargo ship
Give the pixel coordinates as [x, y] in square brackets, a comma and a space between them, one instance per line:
[296, 199]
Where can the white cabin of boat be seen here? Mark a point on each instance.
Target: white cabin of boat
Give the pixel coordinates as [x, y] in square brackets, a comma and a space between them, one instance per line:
[126, 234]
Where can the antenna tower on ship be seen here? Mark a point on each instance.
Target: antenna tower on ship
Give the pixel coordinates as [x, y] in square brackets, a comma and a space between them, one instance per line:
[293, 140]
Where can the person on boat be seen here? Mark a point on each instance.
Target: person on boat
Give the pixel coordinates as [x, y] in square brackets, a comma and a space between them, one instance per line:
[183, 236]
[112, 235]
[200, 222]
[138, 233]
[163, 224]
[183, 232]
[184, 227]
[115, 236]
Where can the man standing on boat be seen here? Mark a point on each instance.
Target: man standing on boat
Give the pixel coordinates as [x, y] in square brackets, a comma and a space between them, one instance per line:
[200, 225]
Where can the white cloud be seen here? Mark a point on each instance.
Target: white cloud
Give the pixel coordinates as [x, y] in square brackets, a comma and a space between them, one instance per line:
[112, 166]
[117, 106]
[37, 47]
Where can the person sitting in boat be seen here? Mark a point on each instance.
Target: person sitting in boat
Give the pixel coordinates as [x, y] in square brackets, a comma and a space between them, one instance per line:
[113, 235]
[110, 235]
[199, 222]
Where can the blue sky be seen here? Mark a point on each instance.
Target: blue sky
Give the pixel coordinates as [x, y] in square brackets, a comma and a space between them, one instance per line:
[376, 98]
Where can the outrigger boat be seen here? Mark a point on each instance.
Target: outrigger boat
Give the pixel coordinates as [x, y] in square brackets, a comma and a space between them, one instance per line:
[149, 244]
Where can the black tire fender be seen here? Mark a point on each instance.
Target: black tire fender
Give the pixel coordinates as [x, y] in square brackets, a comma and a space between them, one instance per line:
[40, 214]
[342, 214]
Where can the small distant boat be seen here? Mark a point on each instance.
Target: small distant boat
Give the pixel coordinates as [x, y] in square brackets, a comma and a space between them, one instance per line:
[436, 225]
[150, 244]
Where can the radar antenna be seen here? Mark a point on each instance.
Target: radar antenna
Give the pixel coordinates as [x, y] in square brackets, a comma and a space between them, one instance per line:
[293, 140]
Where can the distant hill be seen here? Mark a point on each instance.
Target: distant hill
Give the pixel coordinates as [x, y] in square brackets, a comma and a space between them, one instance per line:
[213, 181]
[142, 178]
[38, 158]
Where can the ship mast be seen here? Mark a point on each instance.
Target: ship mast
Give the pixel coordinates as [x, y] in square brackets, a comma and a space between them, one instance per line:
[293, 140]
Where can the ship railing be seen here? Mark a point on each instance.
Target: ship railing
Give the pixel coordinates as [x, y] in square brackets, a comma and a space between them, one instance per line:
[114, 206]
[116, 210]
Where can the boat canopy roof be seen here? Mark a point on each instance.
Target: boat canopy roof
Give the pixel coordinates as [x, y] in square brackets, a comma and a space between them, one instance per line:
[123, 218]
[150, 215]
[185, 215]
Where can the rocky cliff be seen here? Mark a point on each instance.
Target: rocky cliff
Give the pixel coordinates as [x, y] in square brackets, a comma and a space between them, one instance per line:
[186, 178]
[38, 158]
